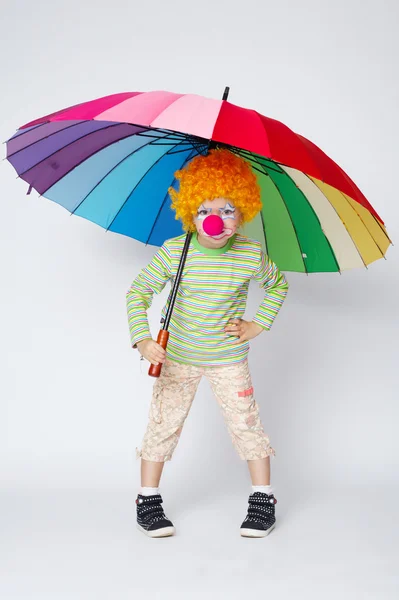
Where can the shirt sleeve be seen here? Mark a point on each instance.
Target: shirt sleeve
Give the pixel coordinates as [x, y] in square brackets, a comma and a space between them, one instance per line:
[272, 280]
[151, 280]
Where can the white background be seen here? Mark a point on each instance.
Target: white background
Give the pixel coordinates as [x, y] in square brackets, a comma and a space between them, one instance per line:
[74, 401]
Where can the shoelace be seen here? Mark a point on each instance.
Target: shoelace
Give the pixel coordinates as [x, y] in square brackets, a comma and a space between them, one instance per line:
[261, 508]
[149, 508]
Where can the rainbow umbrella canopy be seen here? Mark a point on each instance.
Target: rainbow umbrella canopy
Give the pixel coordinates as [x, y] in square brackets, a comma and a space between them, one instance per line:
[112, 160]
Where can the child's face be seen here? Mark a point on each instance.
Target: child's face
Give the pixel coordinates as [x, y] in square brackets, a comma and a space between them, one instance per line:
[224, 208]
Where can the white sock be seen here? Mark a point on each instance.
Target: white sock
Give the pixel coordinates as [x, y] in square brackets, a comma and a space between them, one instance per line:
[149, 491]
[266, 489]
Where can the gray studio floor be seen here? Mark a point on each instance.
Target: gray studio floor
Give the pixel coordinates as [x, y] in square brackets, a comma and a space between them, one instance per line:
[82, 544]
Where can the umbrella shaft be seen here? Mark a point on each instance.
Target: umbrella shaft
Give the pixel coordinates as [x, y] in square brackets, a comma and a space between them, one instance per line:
[177, 280]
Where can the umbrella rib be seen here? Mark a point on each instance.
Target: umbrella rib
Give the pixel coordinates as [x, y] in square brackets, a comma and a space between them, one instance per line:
[259, 170]
[260, 212]
[316, 217]
[364, 224]
[178, 151]
[155, 138]
[353, 241]
[148, 130]
[185, 143]
[358, 215]
[315, 214]
[106, 175]
[252, 156]
[79, 139]
[114, 124]
[293, 226]
[93, 154]
[46, 137]
[264, 232]
[15, 136]
[382, 229]
[184, 149]
[345, 175]
[353, 186]
[138, 183]
[187, 140]
[375, 219]
[166, 195]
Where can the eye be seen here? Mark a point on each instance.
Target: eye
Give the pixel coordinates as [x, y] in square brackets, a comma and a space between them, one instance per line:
[202, 211]
[228, 211]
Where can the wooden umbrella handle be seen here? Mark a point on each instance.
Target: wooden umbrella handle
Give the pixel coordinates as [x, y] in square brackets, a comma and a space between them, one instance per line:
[162, 339]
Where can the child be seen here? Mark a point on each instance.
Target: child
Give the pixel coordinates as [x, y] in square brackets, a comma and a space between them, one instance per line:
[207, 334]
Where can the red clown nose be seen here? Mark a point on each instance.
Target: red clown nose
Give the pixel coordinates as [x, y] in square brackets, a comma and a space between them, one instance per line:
[213, 225]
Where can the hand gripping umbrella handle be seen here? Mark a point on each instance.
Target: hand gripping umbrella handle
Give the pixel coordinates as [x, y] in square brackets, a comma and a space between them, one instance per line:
[163, 335]
[162, 339]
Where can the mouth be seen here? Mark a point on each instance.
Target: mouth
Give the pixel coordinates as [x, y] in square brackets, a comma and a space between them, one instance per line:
[225, 233]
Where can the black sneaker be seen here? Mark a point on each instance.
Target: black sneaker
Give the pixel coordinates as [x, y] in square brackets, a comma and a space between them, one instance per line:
[260, 519]
[151, 519]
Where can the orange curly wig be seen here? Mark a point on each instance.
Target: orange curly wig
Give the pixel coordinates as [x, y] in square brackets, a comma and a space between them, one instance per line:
[218, 174]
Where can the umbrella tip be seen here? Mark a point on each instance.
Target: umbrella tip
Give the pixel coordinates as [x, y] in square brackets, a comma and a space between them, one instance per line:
[226, 92]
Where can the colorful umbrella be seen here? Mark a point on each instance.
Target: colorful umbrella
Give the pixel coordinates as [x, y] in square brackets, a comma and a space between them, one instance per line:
[111, 160]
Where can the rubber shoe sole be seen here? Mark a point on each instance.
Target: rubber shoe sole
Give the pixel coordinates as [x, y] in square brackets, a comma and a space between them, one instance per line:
[256, 532]
[156, 533]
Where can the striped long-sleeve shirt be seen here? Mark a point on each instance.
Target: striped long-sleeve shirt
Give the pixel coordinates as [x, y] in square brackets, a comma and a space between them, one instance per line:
[213, 289]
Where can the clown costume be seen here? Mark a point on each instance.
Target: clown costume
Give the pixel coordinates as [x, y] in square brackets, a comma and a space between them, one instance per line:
[207, 333]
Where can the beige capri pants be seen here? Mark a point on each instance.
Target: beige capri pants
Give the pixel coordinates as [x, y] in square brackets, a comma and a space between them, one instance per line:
[172, 397]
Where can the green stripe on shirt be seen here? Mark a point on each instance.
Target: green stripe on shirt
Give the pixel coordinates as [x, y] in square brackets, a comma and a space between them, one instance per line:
[213, 289]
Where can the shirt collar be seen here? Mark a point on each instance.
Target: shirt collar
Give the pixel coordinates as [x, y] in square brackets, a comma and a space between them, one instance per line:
[212, 251]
